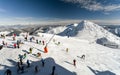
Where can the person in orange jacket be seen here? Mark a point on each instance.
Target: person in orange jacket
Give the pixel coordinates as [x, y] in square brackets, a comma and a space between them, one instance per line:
[45, 49]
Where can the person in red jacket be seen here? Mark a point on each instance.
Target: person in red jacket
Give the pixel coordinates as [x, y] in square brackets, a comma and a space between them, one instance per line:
[15, 45]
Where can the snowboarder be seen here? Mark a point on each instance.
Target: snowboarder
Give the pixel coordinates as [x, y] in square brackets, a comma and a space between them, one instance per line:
[36, 69]
[8, 72]
[28, 63]
[53, 70]
[74, 62]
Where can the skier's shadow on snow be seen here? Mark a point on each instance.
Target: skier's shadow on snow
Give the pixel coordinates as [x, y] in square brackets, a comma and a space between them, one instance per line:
[40, 50]
[96, 72]
[12, 68]
[46, 70]
[68, 62]
[25, 51]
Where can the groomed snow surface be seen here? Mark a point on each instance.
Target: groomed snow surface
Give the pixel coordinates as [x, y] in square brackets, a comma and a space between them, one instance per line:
[99, 60]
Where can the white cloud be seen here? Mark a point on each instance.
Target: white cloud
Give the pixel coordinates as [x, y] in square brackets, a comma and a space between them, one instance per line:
[48, 21]
[93, 5]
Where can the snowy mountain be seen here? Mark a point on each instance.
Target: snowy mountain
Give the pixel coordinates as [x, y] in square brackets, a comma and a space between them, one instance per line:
[86, 30]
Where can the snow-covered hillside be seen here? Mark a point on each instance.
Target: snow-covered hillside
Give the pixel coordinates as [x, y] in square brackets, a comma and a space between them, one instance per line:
[99, 60]
[86, 30]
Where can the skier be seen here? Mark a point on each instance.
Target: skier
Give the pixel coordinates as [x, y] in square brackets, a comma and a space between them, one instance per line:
[14, 35]
[53, 70]
[30, 50]
[43, 42]
[66, 49]
[28, 63]
[37, 41]
[40, 42]
[58, 43]
[38, 54]
[24, 56]
[13, 38]
[26, 38]
[18, 43]
[8, 72]
[3, 42]
[74, 62]
[14, 45]
[21, 62]
[31, 39]
[21, 57]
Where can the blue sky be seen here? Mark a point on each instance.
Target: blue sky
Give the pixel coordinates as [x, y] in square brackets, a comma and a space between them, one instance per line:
[59, 11]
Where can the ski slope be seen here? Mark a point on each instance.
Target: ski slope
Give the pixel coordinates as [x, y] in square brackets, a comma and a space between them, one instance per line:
[99, 60]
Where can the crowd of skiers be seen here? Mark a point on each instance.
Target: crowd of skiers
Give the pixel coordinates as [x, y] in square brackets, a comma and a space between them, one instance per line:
[20, 64]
